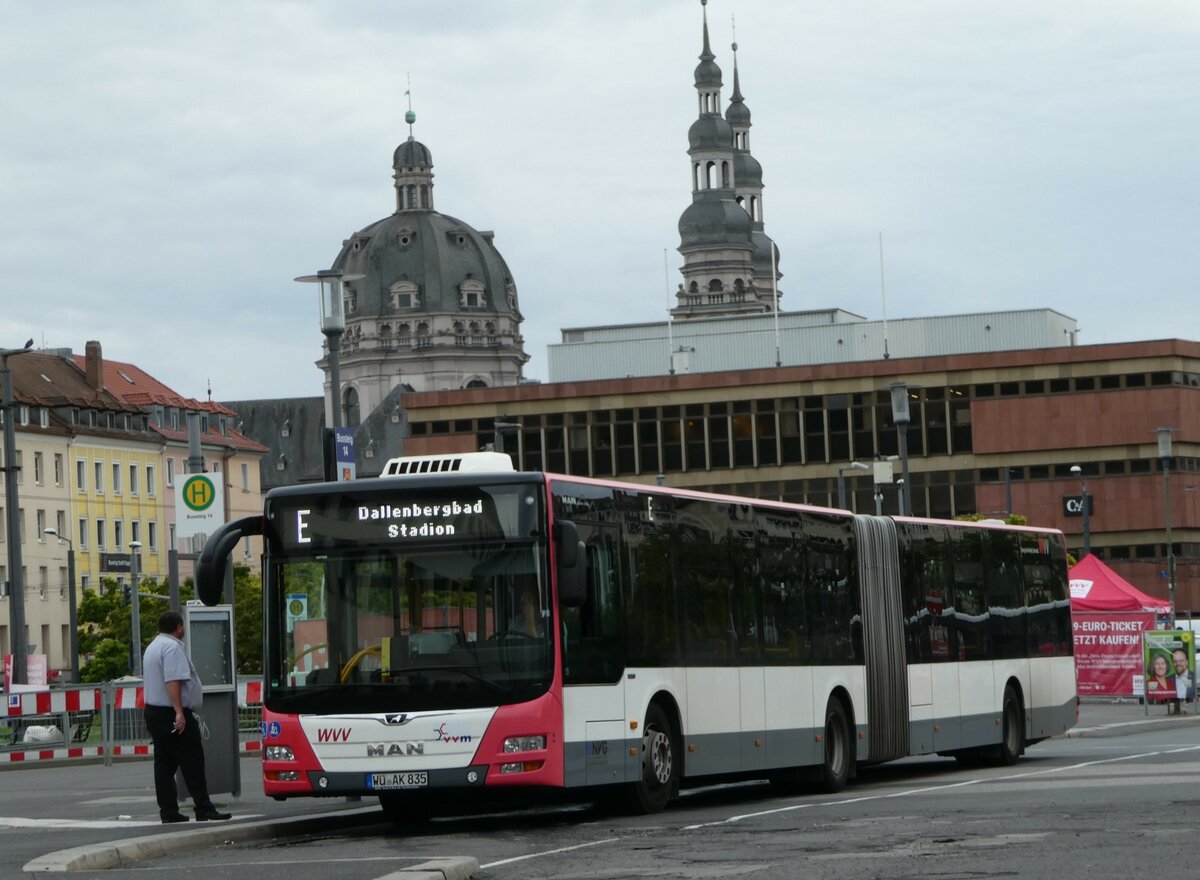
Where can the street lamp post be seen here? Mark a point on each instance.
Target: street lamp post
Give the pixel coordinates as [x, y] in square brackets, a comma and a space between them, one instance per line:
[333, 323]
[135, 607]
[72, 608]
[1164, 455]
[16, 583]
[853, 466]
[902, 417]
[1084, 503]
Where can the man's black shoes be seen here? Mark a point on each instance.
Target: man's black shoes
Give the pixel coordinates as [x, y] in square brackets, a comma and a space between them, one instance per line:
[168, 818]
[212, 816]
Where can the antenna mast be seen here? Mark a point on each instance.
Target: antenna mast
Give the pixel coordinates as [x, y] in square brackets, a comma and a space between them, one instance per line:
[883, 297]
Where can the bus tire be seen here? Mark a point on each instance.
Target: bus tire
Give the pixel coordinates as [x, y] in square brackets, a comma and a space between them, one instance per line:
[839, 749]
[660, 759]
[1012, 730]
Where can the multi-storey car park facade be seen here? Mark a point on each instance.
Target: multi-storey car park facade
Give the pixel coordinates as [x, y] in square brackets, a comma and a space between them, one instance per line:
[787, 432]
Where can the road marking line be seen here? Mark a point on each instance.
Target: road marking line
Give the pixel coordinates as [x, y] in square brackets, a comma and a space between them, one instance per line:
[551, 852]
[23, 822]
[934, 788]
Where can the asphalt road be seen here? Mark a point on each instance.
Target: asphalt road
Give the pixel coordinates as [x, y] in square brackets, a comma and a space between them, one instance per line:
[1116, 792]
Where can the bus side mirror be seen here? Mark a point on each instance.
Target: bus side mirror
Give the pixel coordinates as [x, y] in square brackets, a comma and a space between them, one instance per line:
[210, 567]
[572, 570]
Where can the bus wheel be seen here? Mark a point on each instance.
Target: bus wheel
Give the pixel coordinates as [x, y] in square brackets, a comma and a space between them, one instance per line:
[835, 771]
[1012, 730]
[660, 766]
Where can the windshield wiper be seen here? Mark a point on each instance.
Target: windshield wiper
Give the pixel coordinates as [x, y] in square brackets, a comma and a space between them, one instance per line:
[469, 673]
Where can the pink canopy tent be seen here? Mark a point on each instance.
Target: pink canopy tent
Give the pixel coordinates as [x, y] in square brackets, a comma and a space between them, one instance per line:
[1096, 587]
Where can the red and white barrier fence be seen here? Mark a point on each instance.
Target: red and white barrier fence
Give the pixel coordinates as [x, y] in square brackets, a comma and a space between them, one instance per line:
[51, 705]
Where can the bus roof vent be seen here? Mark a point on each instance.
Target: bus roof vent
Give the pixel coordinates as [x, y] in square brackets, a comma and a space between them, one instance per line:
[467, 462]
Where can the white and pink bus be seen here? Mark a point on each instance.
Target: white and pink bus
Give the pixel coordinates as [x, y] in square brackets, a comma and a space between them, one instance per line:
[456, 627]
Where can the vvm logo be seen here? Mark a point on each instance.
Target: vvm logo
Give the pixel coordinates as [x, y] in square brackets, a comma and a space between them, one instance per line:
[440, 733]
[198, 493]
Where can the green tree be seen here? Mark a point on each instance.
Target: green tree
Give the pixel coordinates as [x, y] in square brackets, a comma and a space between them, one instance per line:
[248, 620]
[106, 627]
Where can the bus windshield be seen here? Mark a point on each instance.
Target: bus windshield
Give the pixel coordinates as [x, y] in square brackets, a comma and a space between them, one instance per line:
[374, 629]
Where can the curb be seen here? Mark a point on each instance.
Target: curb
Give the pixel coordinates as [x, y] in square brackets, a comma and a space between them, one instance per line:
[123, 853]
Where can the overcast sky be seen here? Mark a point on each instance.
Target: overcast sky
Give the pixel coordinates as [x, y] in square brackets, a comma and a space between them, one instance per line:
[166, 169]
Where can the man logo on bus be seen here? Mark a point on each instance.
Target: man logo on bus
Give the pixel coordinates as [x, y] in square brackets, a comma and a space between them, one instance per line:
[198, 493]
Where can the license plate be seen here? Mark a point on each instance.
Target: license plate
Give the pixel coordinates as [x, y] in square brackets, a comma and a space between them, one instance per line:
[397, 780]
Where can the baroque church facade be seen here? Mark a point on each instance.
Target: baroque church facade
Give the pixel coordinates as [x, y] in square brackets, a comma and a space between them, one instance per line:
[436, 307]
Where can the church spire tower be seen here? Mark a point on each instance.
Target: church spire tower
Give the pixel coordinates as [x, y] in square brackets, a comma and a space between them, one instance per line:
[412, 167]
[749, 192]
[715, 232]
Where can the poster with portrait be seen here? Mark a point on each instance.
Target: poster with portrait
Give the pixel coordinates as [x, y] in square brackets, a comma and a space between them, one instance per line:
[1170, 662]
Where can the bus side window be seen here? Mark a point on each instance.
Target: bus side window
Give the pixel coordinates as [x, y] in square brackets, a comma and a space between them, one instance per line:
[592, 638]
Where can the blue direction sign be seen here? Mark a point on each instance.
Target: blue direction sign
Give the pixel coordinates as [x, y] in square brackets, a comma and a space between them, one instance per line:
[343, 446]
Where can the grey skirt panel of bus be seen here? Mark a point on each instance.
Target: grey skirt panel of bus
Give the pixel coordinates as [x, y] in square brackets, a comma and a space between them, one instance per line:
[883, 637]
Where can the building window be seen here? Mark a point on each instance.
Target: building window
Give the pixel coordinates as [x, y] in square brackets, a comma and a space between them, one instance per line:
[133, 479]
[135, 531]
[170, 472]
[60, 524]
[81, 474]
[116, 486]
[39, 469]
[100, 535]
[118, 533]
[58, 469]
[41, 525]
[83, 533]
[150, 490]
[98, 473]
[245, 478]
[152, 535]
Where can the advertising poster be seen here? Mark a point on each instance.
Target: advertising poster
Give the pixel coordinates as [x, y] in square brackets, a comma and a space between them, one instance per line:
[1169, 660]
[1109, 657]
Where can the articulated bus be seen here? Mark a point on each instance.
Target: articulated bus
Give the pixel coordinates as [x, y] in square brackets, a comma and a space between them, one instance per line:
[455, 628]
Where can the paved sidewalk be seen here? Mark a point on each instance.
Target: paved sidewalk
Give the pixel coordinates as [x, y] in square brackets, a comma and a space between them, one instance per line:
[1125, 715]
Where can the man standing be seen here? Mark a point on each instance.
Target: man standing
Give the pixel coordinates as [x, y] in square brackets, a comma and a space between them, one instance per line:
[172, 690]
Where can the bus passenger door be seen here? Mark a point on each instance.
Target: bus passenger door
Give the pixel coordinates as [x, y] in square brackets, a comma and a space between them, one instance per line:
[593, 669]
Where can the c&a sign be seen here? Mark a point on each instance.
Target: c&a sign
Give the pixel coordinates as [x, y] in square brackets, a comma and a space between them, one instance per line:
[1073, 505]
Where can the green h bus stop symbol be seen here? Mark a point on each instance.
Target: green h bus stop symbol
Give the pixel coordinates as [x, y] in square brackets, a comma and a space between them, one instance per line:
[199, 493]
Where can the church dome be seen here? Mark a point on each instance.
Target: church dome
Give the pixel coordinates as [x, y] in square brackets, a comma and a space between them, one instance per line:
[411, 153]
[714, 222]
[747, 170]
[762, 255]
[447, 264]
[709, 132]
[708, 74]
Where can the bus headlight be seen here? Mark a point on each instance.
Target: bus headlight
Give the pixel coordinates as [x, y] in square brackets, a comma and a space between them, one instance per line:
[525, 744]
[279, 753]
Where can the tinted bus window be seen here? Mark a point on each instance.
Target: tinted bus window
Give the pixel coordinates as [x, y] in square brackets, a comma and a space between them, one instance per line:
[651, 610]
[785, 634]
[925, 566]
[705, 585]
[970, 599]
[834, 621]
[1005, 595]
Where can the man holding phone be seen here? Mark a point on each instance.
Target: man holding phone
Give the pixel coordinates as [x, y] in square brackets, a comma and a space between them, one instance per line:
[173, 693]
